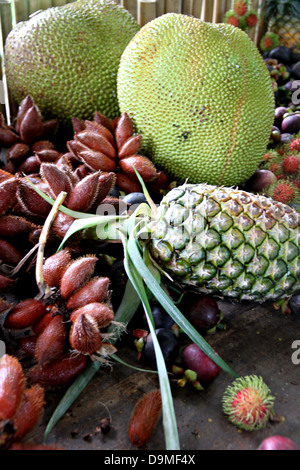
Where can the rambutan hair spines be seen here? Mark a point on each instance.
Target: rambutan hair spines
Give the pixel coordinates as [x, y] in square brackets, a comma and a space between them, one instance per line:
[248, 403]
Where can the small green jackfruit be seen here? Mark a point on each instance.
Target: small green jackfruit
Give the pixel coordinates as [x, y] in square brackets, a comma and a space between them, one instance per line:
[67, 58]
[201, 96]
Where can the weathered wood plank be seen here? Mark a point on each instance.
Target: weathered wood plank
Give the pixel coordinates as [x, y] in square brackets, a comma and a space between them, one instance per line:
[146, 11]
[173, 6]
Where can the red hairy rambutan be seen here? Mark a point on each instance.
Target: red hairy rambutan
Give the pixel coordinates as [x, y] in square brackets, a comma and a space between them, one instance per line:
[232, 19]
[248, 403]
[297, 183]
[281, 151]
[295, 145]
[284, 191]
[251, 19]
[240, 7]
[269, 41]
[290, 164]
[275, 168]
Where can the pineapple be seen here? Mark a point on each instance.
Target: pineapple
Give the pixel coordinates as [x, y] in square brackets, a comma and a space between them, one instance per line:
[283, 18]
[227, 242]
[215, 240]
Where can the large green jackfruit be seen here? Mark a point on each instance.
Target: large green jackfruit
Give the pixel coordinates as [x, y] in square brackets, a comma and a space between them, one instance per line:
[201, 96]
[67, 58]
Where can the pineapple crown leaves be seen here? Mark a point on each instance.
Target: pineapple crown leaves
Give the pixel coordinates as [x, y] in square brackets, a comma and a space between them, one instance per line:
[248, 403]
[142, 280]
[274, 8]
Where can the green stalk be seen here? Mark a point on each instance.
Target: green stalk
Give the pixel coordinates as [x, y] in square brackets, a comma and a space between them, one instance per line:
[118, 359]
[3, 78]
[169, 418]
[71, 395]
[13, 13]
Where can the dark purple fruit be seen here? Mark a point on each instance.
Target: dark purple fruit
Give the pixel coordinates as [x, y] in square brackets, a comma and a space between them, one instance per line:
[161, 318]
[295, 72]
[118, 278]
[292, 85]
[275, 135]
[195, 359]
[278, 115]
[278, 443]
[286, 138]
[281, 53]
[202, 311]
[295, 303]
[134, 198]
[169, 346]
[291, 124]
[115, 192]
[295, 55]
[260, 180]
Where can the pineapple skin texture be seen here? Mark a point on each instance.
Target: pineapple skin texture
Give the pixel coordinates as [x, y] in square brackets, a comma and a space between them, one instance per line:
[201, 96]
[227, 242]
[67, 58]
[288, 30]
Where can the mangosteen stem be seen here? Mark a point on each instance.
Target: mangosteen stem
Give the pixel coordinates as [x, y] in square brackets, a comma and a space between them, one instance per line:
[43, 288]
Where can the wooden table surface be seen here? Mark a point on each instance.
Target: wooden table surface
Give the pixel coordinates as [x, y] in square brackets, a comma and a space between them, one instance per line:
[257, 340]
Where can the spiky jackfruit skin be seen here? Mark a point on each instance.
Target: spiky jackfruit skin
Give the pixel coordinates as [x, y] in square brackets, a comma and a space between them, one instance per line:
[200, 95]
[228, 242]
[67, 58]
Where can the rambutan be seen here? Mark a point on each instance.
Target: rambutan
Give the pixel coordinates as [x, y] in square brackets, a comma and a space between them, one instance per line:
[294, 145]
[272, 155]
[240, 7]
[251, 19]
[275, 168]
[232, 18]
[297, 183]
[248, 403]
[281, 151]
[290, 164]
[284, 191]
[267, 157]
[269, 41]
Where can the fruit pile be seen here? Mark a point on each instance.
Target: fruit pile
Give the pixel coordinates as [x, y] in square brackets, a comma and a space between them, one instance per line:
[241, 15]
[77, 167]
[278, 175]
[283, 64]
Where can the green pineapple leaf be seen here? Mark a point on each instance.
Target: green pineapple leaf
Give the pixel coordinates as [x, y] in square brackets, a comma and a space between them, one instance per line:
[275, 8]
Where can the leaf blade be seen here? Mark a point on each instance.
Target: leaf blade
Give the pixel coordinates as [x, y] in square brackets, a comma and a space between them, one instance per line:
[71, 395]
[169, 418]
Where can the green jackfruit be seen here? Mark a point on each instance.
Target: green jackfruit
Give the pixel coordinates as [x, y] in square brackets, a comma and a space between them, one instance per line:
[67, 58]
[201, 96]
